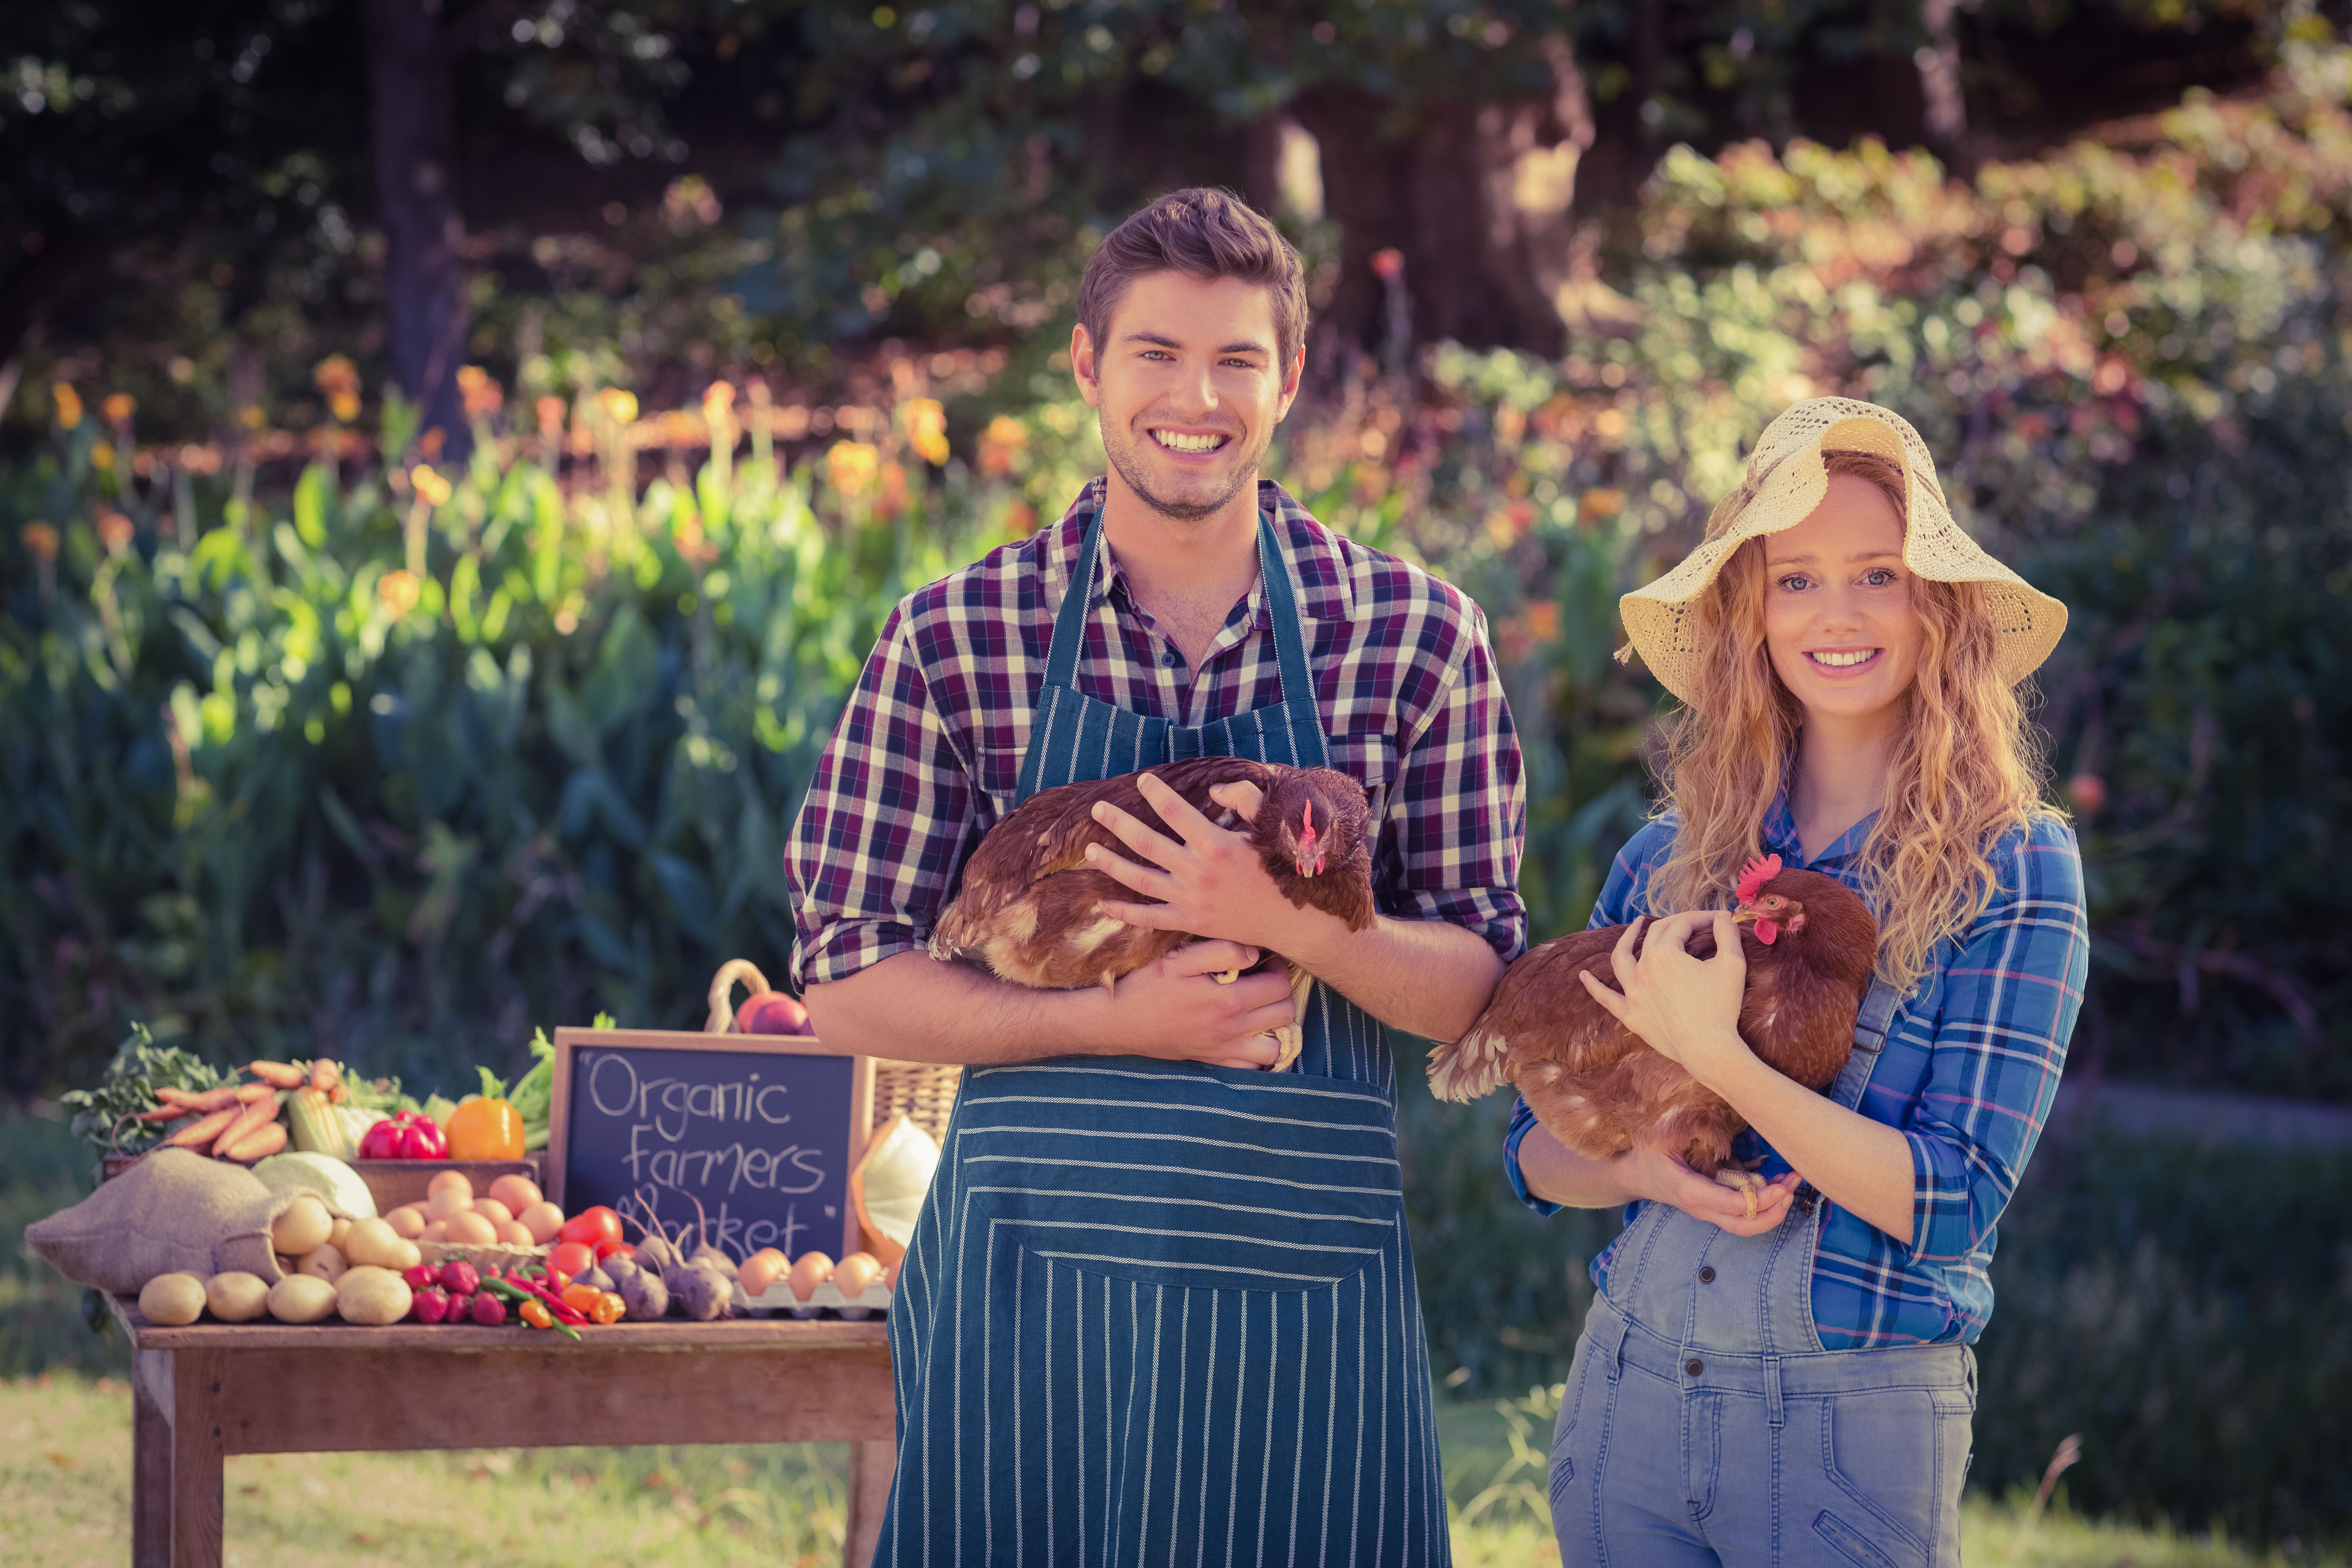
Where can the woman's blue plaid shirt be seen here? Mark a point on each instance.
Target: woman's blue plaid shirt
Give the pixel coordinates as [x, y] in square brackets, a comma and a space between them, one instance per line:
[1969, 1073]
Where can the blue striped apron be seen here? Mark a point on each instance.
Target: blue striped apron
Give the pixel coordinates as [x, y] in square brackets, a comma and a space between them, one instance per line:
[1156, 1313]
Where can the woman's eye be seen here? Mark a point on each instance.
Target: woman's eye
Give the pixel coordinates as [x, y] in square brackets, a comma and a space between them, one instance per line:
[1795, 583]
[1880, 577]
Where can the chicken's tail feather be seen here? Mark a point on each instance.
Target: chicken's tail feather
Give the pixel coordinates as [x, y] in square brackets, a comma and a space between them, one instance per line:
[1470, 1066]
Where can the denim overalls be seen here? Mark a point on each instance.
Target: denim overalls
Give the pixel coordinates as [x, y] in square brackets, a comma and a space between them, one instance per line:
[1703, 1422]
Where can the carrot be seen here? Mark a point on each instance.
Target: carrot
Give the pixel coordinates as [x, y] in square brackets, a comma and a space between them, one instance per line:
[249, 1093]
[323, 1076]
[258, 1144]
[210, 1099]
[164, 1113]
[278, 1075]
[251, 1116]
[202, 1131]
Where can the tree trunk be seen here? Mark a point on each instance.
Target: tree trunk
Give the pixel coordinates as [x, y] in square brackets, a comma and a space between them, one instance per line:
[414, 138]
[1474, 198]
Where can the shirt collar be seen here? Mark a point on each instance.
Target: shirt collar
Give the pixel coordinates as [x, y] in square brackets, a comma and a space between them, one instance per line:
[1780, 839]
[1319, 577]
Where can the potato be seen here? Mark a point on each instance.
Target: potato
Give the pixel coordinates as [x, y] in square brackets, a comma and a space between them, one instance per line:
[374, 1242]
[470, 1230]
[372, 1296]
[301, 1299]
[325, 1261]
[492, 1210]
[407, 1221]
[447, 1202]
[518, 1193]
[449, 1179]
[304, 1224]
[543, 1219]
[513, 1235]
[236, 1297]
[171, 1300]
[335, 1237]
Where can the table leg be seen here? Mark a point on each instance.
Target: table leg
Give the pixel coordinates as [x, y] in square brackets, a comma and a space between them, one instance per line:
[196, 1505]
[151, 1459]
[871, 1467]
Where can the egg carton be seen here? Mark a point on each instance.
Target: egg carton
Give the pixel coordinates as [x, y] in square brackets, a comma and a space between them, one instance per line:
[826, 1298]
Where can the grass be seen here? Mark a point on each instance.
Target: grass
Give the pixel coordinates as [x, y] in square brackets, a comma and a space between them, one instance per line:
[65, 1501]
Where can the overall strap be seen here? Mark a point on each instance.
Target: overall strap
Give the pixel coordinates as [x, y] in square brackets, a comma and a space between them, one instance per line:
[1870, 1027]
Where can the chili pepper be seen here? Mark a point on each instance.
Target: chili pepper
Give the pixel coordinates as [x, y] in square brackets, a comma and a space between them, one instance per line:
[524, 1290]
[536, 1314]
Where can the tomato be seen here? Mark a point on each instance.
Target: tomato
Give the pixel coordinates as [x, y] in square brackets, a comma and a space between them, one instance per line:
[589, 1227]
[570, 1257]
[605, 1249]
[483, 1129]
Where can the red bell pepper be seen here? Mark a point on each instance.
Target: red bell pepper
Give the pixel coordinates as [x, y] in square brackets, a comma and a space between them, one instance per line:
[409, 1135]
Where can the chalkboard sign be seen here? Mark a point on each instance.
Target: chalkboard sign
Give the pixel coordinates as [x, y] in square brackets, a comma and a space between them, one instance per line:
[762, 1129]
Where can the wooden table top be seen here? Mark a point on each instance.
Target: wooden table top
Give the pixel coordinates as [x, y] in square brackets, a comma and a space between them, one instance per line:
[669, 1334]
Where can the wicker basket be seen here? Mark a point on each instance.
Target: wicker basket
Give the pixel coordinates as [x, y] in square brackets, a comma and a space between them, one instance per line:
[924, 1092]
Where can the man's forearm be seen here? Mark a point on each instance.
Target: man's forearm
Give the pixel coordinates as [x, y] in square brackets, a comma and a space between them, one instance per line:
[910, 1007]
[1427, 977]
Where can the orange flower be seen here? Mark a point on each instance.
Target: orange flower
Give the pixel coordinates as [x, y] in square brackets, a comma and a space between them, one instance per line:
[251, 416]
[717, 398]
[551, 410]
[619, 407]
[115, 532]
[431, 488]
[120, 406]
[1544, 620]
[892, 501]
[481, 396]
[851, 466]
[1020, 519]
[339, 381]
[927, 427]
[999, 444]
[1600, 505]
[41, 539]
[69, 405]
[398, 592]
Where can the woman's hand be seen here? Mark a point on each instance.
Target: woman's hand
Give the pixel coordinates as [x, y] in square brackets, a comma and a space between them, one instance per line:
[1685, 1008]
[1662, 1178]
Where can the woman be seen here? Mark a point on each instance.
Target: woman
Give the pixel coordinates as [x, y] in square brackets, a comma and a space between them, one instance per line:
[1796, 1386]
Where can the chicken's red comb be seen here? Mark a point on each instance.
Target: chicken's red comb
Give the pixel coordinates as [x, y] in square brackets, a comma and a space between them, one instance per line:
[1760, 870]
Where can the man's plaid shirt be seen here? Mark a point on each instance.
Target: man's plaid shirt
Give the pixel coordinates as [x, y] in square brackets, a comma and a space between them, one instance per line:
[1968, 1076]
[927, 754]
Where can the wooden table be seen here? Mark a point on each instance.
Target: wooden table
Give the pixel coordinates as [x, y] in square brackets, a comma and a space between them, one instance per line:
[205, 1391]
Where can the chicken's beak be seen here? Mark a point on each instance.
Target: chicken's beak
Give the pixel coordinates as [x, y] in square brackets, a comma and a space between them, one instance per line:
[1743, 915]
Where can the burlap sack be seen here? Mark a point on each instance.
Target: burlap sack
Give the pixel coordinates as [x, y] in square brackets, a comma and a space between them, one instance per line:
[173, 1212]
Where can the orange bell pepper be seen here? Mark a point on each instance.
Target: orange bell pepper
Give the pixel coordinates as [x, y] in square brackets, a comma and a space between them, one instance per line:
[536, 1314]
[609, 1309]
[581, 1298]
[483, 1128]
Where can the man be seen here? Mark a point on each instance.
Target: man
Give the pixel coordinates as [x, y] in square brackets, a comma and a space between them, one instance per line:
[1161, 1300]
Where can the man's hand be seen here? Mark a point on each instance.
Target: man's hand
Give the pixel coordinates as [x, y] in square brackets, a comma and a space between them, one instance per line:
[1212, 883]
[1179, 1010]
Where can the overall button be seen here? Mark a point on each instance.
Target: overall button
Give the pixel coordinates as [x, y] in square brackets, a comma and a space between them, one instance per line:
[1693, 1367]
[1706, 1275]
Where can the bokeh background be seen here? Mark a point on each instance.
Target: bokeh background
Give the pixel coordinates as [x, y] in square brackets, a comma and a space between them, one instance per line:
[454, 460]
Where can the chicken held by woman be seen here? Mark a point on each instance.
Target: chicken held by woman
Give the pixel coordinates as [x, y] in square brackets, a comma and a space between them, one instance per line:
[1809, 944]
[1031, 909]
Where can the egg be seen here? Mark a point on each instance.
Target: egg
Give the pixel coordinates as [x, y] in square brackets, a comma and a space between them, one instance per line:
[449, 1200]
[513, 1234]
[761, 1270]
[543, 1219]
[407, 1220]
[811, 1269]
[467, 1228]
[855, 1272]
[436, 1231]
[518, 1193]
[492, 1210]
[445, 1179]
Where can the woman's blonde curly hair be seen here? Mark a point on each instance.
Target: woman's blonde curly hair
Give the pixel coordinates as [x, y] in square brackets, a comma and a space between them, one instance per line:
[1967, 771]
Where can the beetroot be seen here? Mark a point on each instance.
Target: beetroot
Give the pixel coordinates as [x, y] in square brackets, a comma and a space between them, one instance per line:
[459, 1279]
[488, 1310]
[429, 1305]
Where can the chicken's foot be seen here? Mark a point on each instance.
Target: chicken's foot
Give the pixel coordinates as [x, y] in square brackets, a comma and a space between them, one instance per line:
[1746, 1184]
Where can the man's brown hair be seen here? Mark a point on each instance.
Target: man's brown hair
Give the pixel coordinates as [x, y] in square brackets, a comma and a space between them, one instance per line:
[1204, 233]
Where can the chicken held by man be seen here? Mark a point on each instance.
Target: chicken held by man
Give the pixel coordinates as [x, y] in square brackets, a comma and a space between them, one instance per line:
[1809, 944]
[1031, 909]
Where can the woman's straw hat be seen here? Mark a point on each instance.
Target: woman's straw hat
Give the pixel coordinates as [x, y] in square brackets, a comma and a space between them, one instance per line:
[1785, 480]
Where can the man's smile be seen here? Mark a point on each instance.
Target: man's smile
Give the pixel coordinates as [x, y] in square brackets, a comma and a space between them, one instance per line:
[1191, 442]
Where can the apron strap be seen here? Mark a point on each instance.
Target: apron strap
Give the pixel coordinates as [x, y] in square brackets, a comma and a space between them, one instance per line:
[1302, 721]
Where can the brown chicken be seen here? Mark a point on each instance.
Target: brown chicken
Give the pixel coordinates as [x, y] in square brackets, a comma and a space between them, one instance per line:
[1809, 944]
[1031, 909]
